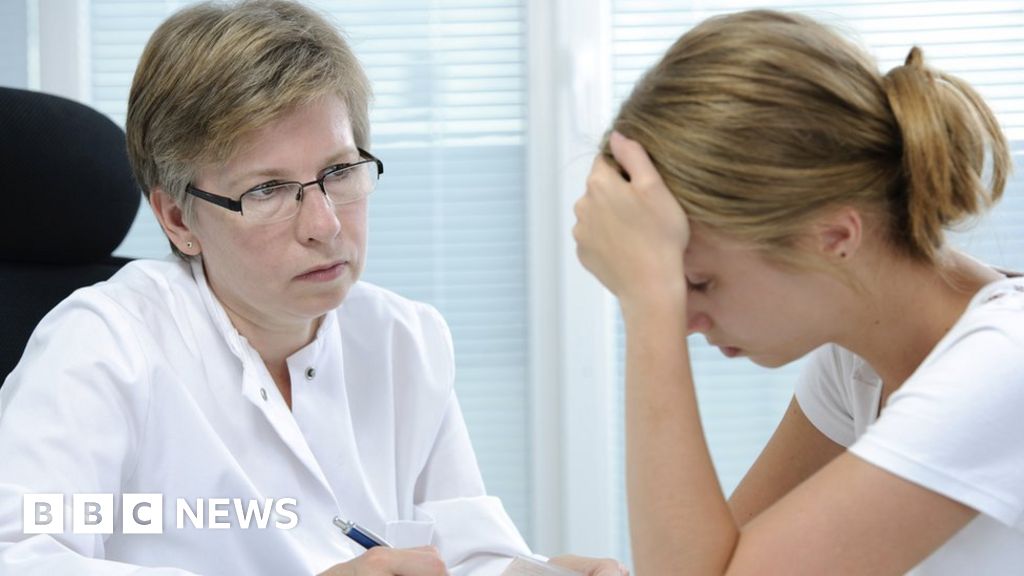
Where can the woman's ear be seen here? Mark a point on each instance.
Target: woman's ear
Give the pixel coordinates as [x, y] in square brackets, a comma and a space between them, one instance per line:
[172, 220]
[840, 233]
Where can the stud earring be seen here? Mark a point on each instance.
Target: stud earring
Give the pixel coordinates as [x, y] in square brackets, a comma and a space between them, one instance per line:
[188, 244]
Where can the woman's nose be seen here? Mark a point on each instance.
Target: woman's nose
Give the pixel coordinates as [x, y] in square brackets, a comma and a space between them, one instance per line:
[318, 219]
[697, 322]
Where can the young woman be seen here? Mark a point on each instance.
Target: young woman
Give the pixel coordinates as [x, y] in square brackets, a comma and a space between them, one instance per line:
[766, 186]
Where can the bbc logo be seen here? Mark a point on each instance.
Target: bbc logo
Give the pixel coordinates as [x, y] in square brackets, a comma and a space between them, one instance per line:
[93, 513]
[143, 513]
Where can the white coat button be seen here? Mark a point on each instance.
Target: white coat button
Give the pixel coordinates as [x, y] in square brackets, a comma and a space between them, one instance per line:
[310, 373]
[263, 393]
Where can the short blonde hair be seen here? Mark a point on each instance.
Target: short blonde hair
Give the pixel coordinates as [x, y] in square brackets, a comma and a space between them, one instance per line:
[760, 121]
[214, 72]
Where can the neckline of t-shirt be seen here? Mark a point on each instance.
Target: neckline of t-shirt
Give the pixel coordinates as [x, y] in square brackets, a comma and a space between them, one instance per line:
[865, 374]
[1012, 283]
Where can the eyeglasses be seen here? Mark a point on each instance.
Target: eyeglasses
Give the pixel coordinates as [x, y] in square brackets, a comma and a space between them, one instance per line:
[277, 201]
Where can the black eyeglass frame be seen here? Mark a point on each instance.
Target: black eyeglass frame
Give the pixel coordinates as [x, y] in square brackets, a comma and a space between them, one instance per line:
[236, 205]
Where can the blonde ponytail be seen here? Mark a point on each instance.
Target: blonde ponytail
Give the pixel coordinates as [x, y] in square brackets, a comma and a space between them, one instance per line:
[945, 128]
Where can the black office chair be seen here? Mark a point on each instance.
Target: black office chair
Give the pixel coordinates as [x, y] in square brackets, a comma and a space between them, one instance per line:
[67, 200]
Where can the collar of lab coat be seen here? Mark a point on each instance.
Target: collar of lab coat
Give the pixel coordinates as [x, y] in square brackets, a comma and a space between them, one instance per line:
[255, 374]
[238, 344]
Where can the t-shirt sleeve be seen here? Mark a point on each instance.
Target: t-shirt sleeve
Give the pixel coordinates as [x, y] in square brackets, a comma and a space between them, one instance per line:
[956, 425]
[823, 397]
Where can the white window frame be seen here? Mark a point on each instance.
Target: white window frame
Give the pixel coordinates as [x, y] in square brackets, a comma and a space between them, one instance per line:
[571, 324]
[59, 50]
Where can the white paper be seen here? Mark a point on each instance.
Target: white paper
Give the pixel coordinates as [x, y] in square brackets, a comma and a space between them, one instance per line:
[523, 566]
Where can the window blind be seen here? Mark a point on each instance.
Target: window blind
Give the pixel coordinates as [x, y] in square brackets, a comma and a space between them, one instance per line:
[447, 221]
[980, 41]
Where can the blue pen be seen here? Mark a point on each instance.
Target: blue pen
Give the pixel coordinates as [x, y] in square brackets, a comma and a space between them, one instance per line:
[360, 535]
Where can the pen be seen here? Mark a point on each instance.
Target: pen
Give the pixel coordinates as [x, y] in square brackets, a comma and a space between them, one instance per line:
[360, 535]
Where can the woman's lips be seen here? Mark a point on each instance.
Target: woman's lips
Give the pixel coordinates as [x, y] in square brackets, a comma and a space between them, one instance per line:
[325, 273]
[730, 351]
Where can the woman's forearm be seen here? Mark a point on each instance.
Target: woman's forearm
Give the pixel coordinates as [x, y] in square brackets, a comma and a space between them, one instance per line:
[680, 521]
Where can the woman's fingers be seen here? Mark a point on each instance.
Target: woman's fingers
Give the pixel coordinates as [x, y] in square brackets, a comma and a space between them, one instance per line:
[631, 234]
[635, 161]
[381, 561]
[423, 561]
[591, 566]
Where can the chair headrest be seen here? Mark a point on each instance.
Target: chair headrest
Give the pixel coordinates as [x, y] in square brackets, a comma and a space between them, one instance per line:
[67, 194]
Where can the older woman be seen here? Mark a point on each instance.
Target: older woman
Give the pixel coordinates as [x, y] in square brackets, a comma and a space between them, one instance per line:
[250, 381]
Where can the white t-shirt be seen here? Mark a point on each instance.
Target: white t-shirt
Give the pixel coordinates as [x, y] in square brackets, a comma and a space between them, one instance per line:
[956, 426]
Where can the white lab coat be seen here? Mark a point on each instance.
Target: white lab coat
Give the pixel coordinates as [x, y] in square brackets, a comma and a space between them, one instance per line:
[142, 385]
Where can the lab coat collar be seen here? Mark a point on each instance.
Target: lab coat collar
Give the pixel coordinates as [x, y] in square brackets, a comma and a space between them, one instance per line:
[238, 344]
[255, 376]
